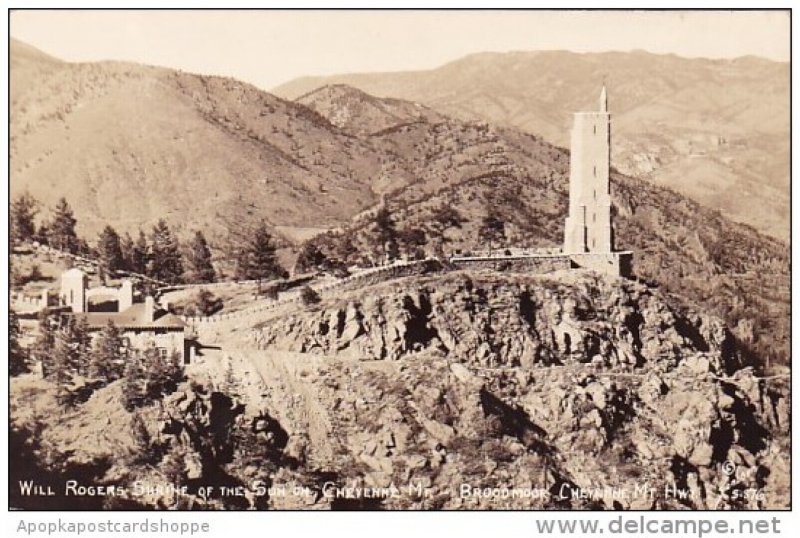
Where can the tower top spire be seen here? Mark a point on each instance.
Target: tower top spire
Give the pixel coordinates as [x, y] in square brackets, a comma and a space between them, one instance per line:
[603, 100]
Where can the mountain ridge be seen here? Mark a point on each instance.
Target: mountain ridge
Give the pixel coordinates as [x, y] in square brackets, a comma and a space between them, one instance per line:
[716, 130]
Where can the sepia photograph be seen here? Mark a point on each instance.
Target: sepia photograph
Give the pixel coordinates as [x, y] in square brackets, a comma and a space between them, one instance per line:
[402, 260]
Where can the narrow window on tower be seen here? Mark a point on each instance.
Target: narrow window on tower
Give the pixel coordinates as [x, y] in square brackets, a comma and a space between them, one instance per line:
[594, 171]
[594, 129]
[594, 217]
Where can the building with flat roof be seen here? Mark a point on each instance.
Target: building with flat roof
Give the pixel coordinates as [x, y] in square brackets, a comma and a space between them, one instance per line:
[141, 324]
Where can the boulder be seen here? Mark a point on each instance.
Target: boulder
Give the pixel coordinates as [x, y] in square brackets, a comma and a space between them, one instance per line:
[442, 433]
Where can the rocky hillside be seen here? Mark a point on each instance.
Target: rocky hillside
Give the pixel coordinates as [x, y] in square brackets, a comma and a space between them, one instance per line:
[717, 130]
[565, 391]
[552, 380]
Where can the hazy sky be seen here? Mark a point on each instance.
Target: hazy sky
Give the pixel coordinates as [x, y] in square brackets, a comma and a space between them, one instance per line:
[268, 48]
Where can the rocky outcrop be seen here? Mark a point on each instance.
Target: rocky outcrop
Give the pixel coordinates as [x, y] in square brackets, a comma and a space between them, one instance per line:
[539, 392]
[550, 437]
[495, 391]
[493, 321]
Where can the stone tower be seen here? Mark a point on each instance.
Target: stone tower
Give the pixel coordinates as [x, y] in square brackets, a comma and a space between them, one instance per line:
[74, 283]
[588, 225]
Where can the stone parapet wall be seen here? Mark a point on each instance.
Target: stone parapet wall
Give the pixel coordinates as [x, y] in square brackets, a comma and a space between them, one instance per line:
[518, 264]
[609, 263]
[367, 277]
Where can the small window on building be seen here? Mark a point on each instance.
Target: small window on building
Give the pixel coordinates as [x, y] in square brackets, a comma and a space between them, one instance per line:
[594, 129]
[162, 351]
[594, 171]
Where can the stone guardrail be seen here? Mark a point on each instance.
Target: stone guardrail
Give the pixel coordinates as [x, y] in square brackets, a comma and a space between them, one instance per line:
[508, 252]
[46, 249]
[379, 273]
[224, 284]
[232, 283]
[394, 270]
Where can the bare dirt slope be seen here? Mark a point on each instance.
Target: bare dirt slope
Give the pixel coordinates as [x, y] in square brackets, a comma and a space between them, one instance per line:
[128, 144]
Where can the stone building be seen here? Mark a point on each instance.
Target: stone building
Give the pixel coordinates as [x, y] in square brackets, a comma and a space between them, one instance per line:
[76, 293]
[141, 324]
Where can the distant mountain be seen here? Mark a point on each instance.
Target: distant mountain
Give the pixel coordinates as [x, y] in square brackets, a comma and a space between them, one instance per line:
[127, 144]
[716, 130]
[360, 113]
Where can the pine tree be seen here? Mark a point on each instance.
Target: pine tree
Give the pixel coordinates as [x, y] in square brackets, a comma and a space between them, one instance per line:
[61, 233]
[143, 452]
[230, 383]
[174, 466]
[23, 211]
[42, 234]
[109, 251]
[257, 260]
[140, 255]
[205, 303]
[492, 229]
[413, 241]
[70, 357]
[161, 374]
[198, 260]
[310, 258]
[385, 234]
[106, 363]
[44, 346]
[447, 216]
[133, 388]
[127, 246]
[345, 250]
[17, 355]
[82, 342]
[151, 364]
[165, 256]
[443, 218]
